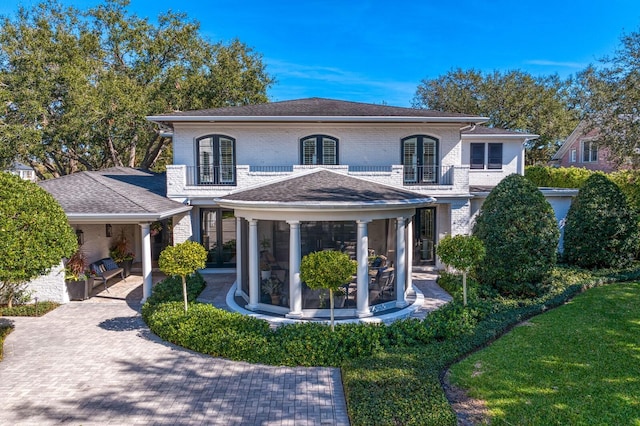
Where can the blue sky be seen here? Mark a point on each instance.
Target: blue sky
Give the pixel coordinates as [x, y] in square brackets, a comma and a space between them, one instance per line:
[379, 50]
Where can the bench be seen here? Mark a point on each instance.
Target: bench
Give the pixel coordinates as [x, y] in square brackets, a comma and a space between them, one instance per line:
[106, 268]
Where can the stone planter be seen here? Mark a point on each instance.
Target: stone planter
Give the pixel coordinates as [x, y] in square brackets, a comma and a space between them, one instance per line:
[77, 290]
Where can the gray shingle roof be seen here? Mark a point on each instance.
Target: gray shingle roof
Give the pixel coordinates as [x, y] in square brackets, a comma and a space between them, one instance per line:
[316, 107]
[325, 187]
[114, 191]
[484, 130]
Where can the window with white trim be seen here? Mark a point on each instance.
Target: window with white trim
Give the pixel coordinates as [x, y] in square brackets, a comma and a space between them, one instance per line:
[574, 156]
[589, 152]
[216, 160]
[491, 151]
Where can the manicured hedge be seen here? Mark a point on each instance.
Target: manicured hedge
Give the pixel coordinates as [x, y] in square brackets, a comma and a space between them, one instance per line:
[391, 374]
[30, 310]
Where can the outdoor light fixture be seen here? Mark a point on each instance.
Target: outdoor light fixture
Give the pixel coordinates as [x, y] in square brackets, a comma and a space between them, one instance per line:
[80, 236]
[107, 230]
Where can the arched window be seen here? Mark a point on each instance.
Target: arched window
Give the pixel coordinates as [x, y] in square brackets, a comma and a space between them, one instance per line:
[216, 160]
[318, 149]
[420, 159]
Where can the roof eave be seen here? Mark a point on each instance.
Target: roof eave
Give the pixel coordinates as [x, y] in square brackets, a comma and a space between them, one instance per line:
[324, 206]
[125, 217]
[525, 136]
[164, 119]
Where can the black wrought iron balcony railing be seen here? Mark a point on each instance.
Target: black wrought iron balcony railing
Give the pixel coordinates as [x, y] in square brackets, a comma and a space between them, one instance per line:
[211, 175]
[428, 175]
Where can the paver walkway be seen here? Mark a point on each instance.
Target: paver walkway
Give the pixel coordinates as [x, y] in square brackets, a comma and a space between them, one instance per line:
[96, 363]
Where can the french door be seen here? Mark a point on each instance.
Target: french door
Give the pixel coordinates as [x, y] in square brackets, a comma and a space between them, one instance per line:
[218, 236]
[420, 160]
[425, 236]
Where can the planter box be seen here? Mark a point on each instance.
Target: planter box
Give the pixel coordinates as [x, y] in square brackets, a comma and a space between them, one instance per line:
[77, 290]
[126, 265]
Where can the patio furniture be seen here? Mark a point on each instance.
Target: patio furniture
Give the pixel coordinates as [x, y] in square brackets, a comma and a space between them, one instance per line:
[105, 269]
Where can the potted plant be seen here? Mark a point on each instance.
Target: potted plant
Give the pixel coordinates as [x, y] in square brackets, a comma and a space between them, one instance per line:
[272, 287]
[265, 271]
[155, 228]
[339, 297]
[75, 276]
[120, 253]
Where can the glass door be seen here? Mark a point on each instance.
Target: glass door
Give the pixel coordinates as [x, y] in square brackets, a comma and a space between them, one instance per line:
[218, 236]
[425, 236]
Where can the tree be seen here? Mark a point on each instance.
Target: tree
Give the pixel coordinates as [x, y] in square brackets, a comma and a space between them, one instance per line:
[513, 100]
[75, 86]
[601, 229]
[34, 233]
[327, 270]
[518, 229]
[611, 101]
[463, 252]
[182, 259]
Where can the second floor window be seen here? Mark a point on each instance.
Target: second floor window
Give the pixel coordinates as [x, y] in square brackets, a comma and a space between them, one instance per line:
[318, 149]
[420, 159]
[493, 156]
[589, 152]
[216, 160]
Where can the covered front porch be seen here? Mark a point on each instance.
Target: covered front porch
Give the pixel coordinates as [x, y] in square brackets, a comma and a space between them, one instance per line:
[277, 224]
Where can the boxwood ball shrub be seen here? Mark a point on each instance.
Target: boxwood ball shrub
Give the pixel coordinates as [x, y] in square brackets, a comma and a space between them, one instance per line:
[520, 235]
[601, 229]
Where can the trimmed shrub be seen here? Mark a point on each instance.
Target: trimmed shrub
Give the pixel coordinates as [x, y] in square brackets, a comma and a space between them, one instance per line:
[519, 231]
[557, 177]
[30, 310]
[601, 229]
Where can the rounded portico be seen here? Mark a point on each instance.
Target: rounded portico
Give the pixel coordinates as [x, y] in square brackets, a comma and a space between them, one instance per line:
[278, 223]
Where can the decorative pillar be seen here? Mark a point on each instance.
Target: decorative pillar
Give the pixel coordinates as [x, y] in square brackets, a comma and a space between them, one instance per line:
[401, 276]
[147, 280]
[410, 246]
[239, 249]
[254, 273]
[295, 286]
[362, 286]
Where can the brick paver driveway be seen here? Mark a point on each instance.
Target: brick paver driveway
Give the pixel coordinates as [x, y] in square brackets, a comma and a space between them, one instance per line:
[97, 363]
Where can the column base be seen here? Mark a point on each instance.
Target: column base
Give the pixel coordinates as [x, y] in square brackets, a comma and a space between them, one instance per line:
[251, 307]
[364, 314]
[294, 315]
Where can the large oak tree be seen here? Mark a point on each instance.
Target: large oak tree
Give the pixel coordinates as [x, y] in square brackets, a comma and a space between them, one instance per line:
[513, 100]
[75, 86]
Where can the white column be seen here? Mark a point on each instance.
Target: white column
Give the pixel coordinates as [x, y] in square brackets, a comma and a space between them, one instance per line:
[254, 274]
[362, 307]
[295, 286]
[401, 276]
[410, 246]
[239, 249]
[147, 281]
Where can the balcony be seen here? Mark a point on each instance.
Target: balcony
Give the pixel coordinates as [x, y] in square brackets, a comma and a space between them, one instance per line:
[190, 181]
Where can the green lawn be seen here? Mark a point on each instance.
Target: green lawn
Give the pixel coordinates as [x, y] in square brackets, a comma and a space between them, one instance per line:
[578, 364]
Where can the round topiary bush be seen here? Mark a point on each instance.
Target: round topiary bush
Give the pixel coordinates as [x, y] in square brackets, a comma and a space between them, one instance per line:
[520, 235]
[601, 229]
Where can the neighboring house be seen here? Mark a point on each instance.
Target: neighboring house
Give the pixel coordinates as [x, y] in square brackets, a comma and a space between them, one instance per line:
[23, 171]
[581, 149]
[100, 205]
[270, 183]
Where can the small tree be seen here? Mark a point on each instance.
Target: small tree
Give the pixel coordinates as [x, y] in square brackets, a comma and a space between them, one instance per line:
[519, 231]
[463, 252]
[182, 259]
[34, 233]
[601, 229]
[327, 270]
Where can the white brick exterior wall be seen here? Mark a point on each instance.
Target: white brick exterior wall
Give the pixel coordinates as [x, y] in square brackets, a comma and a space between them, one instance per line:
[182, 230]
[50, 287]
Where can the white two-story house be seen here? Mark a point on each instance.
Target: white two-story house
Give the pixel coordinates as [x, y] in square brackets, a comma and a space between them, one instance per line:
[270, 183]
